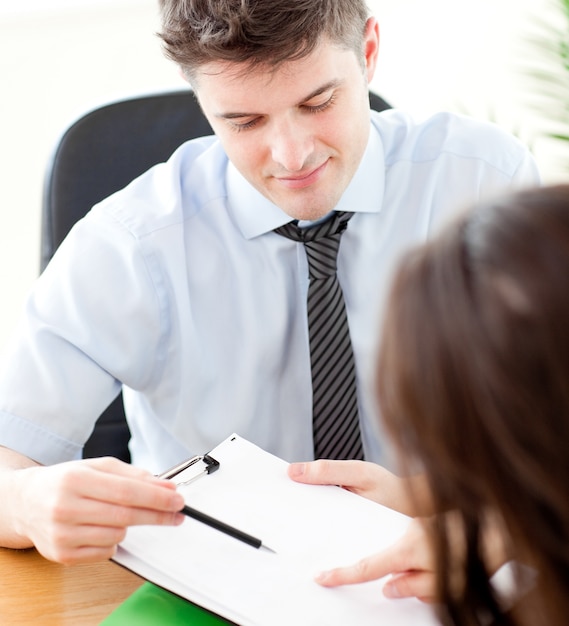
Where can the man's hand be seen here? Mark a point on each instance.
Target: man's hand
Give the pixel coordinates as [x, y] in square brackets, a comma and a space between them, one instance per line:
[79, 511]
[410, 561]
[370, 481]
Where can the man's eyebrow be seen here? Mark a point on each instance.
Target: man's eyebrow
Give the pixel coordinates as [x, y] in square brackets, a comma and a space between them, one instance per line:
[332, 84]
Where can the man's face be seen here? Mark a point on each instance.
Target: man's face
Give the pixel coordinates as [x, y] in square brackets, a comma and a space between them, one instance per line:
[296, 134]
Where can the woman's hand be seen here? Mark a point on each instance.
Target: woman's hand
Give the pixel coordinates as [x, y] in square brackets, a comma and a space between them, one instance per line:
[407, 495]
[410, 561]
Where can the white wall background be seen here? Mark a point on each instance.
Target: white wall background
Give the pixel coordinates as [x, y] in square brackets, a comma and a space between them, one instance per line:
[59, 57]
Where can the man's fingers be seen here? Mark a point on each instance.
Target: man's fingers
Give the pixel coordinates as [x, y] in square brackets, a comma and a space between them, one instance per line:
[85, 554]
[134, 493]
[96, 536]
[84, 542]
[108, 514]
[110, 480]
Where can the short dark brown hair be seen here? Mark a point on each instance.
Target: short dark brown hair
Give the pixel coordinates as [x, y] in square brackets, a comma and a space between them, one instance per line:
[473, 382]
[257, 32]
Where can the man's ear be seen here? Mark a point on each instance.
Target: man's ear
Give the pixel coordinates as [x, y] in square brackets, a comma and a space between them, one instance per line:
[371, 47]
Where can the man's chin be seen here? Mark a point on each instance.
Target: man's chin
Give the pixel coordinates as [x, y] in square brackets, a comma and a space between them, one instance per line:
[308, 211]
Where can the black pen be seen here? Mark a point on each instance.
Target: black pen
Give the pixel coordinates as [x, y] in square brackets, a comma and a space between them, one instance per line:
[223, 527]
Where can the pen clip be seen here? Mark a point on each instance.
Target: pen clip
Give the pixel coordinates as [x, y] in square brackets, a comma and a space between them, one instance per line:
[210, 465]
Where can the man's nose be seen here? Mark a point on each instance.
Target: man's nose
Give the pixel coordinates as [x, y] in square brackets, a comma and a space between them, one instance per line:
[291, 144]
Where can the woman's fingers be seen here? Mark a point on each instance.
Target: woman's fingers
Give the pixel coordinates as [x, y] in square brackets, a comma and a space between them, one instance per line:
[409, 561]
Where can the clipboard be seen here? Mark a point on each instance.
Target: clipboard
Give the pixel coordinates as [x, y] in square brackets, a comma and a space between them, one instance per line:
[310, 528]
[151, 605]
[189, 471]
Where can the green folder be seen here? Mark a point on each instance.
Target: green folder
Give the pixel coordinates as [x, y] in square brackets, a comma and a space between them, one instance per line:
[150, 605]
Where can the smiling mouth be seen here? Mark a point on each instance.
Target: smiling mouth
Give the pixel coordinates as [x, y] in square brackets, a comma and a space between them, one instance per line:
[299, 182]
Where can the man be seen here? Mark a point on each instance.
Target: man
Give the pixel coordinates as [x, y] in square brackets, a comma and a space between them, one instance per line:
[179, 290]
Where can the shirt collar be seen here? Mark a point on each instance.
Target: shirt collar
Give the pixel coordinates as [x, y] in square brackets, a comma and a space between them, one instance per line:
[255, 215]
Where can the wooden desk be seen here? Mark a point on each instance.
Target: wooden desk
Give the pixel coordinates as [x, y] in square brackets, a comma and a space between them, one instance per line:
[36, 591]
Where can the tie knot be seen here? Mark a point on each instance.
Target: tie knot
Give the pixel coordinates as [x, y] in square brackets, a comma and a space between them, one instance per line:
[321, 242]
[336, 225]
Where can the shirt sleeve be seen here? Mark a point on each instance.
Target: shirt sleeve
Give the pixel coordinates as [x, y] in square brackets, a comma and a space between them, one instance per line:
[93, 321]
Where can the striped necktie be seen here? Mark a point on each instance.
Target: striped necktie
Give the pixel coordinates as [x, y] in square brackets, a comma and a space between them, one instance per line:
[335, 421]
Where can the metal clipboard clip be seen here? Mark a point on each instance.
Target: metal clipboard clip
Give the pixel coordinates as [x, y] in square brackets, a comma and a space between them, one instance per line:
[191, 469]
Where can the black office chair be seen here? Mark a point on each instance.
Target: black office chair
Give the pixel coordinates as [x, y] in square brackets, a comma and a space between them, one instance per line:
[99, 154]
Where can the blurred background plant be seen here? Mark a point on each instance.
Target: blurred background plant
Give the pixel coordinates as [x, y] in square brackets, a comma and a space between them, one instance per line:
[548, 74]
[533, 102]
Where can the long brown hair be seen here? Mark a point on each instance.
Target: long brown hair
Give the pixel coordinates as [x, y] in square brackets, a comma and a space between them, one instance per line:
[253, 32]
[473, 383]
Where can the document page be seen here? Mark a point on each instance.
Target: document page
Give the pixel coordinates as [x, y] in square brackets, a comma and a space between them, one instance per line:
[309, 528]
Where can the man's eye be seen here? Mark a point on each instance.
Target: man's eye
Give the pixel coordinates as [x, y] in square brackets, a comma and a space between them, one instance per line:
[238, 127]
[317, 108]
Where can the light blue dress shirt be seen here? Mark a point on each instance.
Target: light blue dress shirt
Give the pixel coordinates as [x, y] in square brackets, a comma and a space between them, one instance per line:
[176, 288]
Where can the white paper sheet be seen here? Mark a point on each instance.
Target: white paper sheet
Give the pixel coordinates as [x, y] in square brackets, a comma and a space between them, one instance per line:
[311, 528]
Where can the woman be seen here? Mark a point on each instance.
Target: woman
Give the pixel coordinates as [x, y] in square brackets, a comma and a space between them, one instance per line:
[473, 384]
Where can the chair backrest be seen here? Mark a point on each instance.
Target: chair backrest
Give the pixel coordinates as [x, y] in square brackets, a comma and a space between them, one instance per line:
[100, 153]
